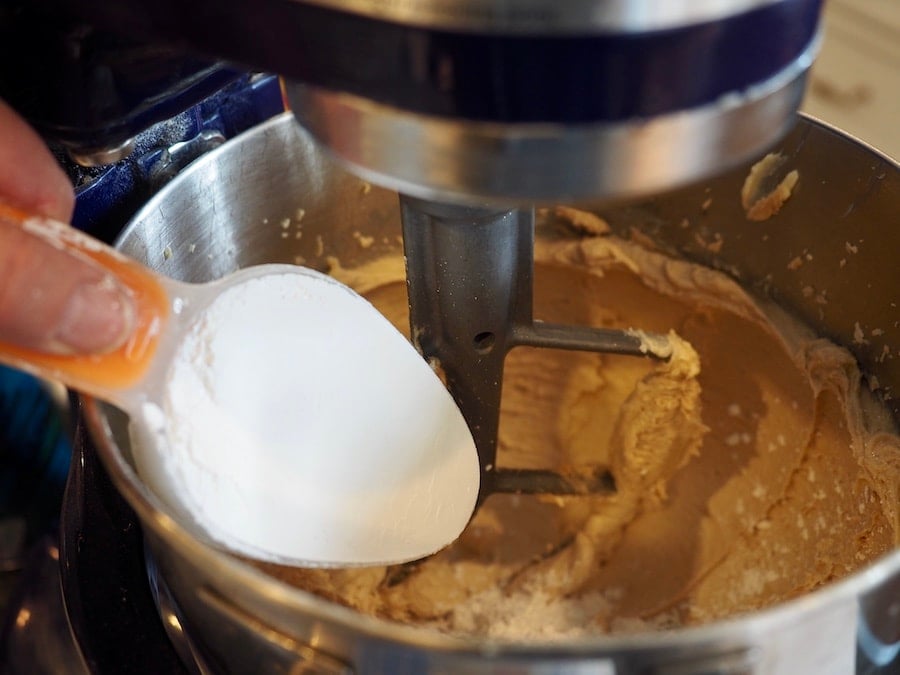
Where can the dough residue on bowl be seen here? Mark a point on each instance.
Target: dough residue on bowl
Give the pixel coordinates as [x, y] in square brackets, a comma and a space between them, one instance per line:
[751, 468]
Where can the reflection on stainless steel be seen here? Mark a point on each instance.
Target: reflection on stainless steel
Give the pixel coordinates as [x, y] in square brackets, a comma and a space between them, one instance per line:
[38, 640]
[103, 156]
[229, 209]
[574, 16]
[265, 649]
[168, 612]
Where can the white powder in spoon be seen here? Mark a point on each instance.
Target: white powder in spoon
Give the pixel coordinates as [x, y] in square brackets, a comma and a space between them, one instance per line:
[289, 435]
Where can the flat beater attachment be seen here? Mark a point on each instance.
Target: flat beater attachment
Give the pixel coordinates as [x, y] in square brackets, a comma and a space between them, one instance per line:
[469, 273]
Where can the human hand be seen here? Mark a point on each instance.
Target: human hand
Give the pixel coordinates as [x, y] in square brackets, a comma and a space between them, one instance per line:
[50, 301]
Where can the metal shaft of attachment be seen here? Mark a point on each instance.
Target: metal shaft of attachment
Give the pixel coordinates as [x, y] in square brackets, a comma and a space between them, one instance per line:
[469, 272]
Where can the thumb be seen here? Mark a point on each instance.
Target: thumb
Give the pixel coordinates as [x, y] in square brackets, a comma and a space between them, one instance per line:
[55, 302]
[29, 174]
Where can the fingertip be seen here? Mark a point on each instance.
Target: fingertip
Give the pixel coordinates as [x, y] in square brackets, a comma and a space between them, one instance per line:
[30, 176]
[56, 202]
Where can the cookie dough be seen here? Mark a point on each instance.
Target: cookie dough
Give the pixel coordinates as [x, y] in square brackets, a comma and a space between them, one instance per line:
[751, 468]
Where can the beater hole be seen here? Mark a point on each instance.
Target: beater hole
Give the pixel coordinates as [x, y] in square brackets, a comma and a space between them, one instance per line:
[484, 342]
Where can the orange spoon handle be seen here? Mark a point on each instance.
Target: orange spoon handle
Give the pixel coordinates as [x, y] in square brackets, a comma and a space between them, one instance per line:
[118, 369]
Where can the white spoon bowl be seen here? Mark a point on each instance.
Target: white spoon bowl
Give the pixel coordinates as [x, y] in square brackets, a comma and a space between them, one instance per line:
[276, 412]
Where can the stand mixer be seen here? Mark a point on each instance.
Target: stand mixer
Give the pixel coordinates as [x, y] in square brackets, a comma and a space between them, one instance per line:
[473, 111]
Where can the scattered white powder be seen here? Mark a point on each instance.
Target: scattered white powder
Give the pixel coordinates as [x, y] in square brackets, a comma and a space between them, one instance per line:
[536, 615]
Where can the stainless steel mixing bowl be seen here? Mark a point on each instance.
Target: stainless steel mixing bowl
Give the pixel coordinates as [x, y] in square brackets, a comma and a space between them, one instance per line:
[240, 205]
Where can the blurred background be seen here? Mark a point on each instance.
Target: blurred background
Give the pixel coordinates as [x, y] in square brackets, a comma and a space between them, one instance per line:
[856, 81]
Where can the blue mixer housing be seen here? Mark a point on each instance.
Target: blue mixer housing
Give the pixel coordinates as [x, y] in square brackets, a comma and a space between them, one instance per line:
[107, 197]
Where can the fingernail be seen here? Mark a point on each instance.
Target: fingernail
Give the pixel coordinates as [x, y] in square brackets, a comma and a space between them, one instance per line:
[97, 319]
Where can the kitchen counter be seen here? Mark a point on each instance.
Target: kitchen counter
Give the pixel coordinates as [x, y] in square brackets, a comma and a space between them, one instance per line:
[855, 83]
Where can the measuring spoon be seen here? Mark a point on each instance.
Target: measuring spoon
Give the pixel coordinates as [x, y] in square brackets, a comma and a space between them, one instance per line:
[276, 412]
